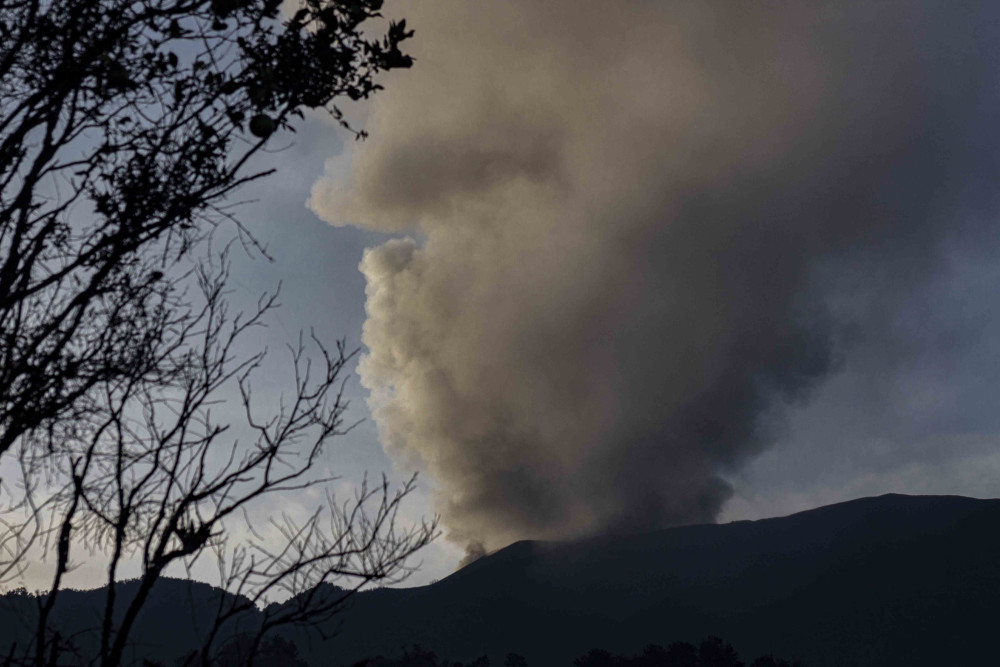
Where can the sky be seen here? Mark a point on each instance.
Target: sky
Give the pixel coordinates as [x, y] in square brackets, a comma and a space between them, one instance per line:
[620, 267]
[615, 266]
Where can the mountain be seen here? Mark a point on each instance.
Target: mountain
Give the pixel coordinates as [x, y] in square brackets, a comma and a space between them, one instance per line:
[173, 621]
[893, 580]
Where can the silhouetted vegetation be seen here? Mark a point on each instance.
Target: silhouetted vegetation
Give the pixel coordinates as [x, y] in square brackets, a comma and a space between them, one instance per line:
[126, 126]
[418, 656]
[244, 650]
[712, 652]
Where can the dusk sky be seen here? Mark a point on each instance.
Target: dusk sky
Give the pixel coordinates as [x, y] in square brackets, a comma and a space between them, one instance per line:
[616, 266]
[628, 266]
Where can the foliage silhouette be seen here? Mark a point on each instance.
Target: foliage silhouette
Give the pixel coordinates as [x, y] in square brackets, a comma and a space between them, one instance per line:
[125, 128]
[272, 652]
[712, 652]
[418, 656]
[771, 661]
[596, 657]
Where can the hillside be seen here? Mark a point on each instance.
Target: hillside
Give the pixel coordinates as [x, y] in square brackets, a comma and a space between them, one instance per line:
[893, 580]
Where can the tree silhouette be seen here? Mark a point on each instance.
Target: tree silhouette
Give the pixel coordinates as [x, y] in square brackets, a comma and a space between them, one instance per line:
[682, 654]
[596, 657]
[771, 661]
[713, 652]
[124, 125]
[418, 656]
[125, 128]
[272, 652]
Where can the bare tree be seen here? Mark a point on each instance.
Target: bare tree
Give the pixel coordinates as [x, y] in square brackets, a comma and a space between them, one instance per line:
[151, 474]
[125, 126]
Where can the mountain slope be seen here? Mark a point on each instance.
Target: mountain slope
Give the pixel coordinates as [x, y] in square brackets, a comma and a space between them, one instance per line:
[894, 580]
[887, 581]
[175, 619]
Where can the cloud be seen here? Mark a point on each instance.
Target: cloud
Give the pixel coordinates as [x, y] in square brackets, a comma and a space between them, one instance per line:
[639, 232]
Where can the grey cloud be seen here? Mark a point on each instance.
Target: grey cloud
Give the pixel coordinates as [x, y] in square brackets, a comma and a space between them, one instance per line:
[643, 230]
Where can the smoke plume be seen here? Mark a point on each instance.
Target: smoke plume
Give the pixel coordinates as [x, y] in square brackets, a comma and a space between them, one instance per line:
[627, 220]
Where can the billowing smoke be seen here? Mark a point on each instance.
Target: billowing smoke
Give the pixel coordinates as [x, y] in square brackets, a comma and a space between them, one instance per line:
[473, 551]
[628, 222]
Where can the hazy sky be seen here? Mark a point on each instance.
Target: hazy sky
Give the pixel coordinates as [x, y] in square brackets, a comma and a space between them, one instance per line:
[619, 265]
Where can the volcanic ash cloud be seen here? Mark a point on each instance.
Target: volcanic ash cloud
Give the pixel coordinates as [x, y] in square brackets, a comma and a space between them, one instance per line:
[630, 216]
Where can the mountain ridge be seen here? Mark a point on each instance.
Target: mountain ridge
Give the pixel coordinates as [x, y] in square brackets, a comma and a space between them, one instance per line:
[686, 582]
[887, 580]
